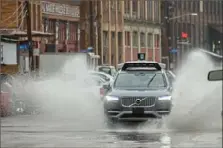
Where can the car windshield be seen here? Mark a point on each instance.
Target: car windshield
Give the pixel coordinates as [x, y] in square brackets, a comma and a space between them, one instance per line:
[151, 80]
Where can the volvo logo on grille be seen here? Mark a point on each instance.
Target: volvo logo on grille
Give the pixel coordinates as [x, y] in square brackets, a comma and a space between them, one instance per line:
[138, 101]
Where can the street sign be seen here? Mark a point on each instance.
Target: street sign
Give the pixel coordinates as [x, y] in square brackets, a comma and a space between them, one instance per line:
[173, 50]
[36, 52]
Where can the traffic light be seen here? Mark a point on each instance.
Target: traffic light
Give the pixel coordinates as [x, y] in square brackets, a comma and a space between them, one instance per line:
[184, 35]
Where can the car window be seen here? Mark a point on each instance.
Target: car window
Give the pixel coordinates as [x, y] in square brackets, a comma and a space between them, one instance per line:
[140, 80]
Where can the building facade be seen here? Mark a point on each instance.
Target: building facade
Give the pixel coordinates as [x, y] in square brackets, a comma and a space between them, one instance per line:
[13, 29]
[13, 19]
[102, 28]
[142, 29]
[54, 25]
[186, 32]
[112, 27]
[61, 19]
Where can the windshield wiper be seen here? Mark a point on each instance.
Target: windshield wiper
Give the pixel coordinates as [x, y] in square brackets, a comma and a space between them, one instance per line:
[151, 80]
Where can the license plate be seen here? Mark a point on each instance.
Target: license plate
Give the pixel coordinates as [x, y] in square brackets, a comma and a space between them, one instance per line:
[138, 110]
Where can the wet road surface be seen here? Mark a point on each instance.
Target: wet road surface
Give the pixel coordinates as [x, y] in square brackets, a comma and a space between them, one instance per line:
[36, 131]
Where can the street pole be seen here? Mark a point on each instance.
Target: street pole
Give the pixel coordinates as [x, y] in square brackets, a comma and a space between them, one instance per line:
[91, 15]
[99, 20]
[165, 31]
[29, 35]
[116, 34]
[1, 50]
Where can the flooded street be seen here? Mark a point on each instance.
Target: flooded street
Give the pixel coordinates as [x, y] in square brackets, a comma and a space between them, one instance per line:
[73, 114]
[40, 131]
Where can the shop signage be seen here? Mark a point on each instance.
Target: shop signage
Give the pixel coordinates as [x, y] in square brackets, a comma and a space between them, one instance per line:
[60, 9]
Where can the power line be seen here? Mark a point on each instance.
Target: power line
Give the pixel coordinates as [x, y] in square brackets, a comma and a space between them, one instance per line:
[12, 14]
[20, 15]
[23, 17]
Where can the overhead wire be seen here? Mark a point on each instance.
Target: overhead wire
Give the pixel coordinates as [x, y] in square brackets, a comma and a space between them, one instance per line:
[23, 17]
[14, 13]
[20, 15]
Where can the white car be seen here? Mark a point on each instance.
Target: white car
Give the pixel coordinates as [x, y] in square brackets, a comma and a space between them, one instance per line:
[106, 77]
[96, 83]
[110, 70]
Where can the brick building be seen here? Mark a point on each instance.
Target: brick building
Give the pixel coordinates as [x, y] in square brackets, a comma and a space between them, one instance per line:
[142, 29]
[13, 27]
[202, 31]
[13, 21]
[62, 19]
[102, 28]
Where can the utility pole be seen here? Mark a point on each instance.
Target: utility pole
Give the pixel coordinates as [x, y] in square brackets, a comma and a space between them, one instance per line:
[99, 30]
[29, 35]
[165, 32]
[109, 33]
[116, 35]
[91, 15]
[1, 50]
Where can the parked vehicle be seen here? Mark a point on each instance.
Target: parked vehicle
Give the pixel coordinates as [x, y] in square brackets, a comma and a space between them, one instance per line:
[106, 77]
[6, 104]
[107, 69]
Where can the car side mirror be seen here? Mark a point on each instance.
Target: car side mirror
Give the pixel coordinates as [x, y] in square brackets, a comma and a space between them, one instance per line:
[215, 75]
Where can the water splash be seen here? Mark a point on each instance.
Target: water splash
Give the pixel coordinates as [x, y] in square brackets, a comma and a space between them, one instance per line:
[197, 101]
[66, 98]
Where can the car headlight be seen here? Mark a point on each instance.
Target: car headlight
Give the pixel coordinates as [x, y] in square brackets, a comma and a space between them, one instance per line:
[168, 98]
[111, 98]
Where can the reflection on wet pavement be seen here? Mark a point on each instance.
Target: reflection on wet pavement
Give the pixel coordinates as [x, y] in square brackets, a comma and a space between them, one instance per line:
[37, 134]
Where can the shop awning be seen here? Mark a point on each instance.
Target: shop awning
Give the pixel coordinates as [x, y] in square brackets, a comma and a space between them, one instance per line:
[217, 28]
[39, 33]
[11, 32]
[15, 32]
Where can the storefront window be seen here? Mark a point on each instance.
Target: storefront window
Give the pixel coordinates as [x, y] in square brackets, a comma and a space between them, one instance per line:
[135, 39]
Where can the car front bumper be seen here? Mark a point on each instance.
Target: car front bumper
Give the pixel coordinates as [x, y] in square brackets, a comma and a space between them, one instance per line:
[116, 111]
[129, 116]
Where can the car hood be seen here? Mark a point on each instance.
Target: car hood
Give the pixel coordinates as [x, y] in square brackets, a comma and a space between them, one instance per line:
[137, 93]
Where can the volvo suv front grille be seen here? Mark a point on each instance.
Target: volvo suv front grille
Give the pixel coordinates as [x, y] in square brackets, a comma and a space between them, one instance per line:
[144, 101]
